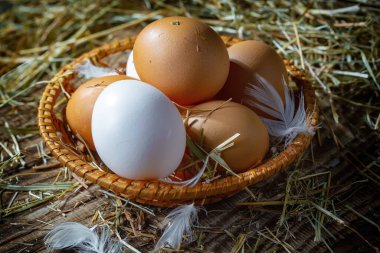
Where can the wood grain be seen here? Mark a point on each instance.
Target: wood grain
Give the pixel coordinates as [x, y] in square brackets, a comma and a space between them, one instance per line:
[224, 222]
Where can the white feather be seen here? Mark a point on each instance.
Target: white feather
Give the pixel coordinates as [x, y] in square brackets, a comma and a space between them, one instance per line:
[289, 120]
[215, 155]
[192, 181]
[178, 224]
[72, 235]
[88, 70]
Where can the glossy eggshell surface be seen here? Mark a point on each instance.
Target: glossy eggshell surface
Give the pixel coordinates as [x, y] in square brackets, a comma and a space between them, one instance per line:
[138, 132]
[247, 59]
[226, 120]
[81, 103]
[182, 57]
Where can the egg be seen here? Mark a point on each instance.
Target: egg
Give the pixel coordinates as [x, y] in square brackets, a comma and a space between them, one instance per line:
[81, 103]
[137, 131]
[130, 68]
[248, 58]
[182, 57]
[217, 121]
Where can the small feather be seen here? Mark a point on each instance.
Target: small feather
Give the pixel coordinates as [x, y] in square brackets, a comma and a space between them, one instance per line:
[215, 155]
[178, 224]
[289, 121]
[88, 70]
[192, 181]
[72, 235]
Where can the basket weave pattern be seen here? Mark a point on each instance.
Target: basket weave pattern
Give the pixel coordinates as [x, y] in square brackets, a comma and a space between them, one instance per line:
[154, 192]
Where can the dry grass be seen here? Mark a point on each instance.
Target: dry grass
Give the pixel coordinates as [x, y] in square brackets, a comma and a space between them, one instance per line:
[337, 43]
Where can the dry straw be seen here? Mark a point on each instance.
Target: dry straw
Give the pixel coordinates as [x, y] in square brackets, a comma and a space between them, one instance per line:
[154, 192]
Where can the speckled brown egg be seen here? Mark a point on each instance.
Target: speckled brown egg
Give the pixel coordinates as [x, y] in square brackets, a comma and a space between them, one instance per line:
[182, 57]
[219, 121]
[81, 103]
[248, 58]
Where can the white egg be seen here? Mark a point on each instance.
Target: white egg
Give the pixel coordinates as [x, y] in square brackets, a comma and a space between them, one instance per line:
[130, 69]
[137, 131]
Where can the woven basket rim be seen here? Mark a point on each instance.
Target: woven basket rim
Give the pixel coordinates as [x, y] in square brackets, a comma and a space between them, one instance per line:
[157, 192]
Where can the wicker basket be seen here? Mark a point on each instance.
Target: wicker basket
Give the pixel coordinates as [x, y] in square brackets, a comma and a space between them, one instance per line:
[154, 192]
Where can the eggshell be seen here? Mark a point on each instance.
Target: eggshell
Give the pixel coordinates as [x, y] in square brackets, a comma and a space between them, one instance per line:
[220, 122]
[138, 132]
[130, 68]
[248, 58]
[81, 103]
[182, 57]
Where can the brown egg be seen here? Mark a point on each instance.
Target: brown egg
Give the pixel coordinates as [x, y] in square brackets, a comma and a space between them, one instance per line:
[182, 57]
[248, 58]
[220, 122]
[81, 103]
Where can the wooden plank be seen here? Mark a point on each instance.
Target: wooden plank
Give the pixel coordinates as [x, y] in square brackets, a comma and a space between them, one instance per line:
[224, 222]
